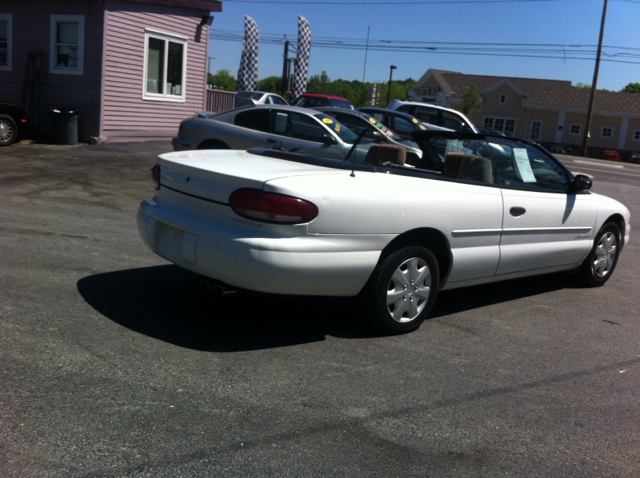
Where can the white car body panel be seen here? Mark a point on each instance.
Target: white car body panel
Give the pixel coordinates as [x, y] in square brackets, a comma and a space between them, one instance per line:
[190, 223]
[554, 231]
[385, 214]
[254, 256]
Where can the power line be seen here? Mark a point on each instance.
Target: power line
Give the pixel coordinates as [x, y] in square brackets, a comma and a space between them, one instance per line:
[340, 40]
[514, 50]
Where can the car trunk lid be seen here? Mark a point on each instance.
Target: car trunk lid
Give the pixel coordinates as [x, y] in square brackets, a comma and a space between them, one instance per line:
[215, 174]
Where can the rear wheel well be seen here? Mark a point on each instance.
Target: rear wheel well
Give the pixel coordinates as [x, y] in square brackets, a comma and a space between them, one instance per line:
[213, 144]
[431, 239]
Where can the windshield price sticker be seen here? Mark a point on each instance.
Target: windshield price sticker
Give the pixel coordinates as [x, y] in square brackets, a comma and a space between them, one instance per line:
[414, 120]
[523, 164]
[372, 120]
[327, 120]
[337, 127]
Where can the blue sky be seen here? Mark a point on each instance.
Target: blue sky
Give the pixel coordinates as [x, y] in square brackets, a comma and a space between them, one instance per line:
[566, 26]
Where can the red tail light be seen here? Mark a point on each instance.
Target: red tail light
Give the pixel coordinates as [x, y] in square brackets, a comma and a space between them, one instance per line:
[270, 207]
[155, 176]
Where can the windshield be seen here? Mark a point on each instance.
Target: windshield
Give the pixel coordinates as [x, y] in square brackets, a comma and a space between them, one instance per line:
[338, 128]
[341, 104]
[382, 128]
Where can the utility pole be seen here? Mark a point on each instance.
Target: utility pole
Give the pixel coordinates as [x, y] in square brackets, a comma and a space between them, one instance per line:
[391, 68]
[285, 69]
[592, 98]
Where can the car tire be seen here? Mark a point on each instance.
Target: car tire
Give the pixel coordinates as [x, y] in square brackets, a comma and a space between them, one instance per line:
[8, 130]
[402, 290]
[602, 260]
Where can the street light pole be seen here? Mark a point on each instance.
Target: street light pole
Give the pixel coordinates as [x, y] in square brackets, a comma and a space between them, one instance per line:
[391, 68]
[592, 98]
[285, 69]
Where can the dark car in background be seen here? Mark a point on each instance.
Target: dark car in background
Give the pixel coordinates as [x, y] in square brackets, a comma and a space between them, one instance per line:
[372, 130]
[557, 149]
[14, 121]
[313, 100]
[494, 132]
[634, 158]
[402, 123]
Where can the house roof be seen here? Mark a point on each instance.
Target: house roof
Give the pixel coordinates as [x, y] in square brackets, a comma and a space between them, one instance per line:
[208, 5]
[557, 93]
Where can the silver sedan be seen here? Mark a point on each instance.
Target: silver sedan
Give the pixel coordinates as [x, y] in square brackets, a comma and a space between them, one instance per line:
[287, 128]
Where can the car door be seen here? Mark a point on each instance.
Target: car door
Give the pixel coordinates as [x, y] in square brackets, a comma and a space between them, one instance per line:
[423, 113]
[544, 224]
[357, 125]
[466, 202]
[253, 124]
[292, 130]
[401, 126]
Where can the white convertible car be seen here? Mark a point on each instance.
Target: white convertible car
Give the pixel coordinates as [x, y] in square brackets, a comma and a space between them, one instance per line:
[474, 209]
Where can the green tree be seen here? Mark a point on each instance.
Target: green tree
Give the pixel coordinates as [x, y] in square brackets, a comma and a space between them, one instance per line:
[631, 88]
[356, 91]
[319, 84]
[271, 84]
[222, 80]
[470, 103]
[584, 86]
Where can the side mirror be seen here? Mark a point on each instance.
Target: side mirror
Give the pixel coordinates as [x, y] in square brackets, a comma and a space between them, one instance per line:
[378, 137]
[328, 139]
[581, 183]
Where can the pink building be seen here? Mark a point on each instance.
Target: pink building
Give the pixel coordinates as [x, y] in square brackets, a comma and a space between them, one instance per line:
[133, 69]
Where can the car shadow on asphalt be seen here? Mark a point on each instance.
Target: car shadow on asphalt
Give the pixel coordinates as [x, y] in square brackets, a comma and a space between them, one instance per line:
[166, 302]
[468, 298]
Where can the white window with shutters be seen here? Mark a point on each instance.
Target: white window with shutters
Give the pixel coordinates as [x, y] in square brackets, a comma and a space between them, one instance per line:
[165, 65]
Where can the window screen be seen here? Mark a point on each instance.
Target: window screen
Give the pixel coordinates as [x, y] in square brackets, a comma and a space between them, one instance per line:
[155, 65]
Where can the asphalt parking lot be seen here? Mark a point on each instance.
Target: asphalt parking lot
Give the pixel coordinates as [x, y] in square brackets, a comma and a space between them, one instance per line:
[114, 363]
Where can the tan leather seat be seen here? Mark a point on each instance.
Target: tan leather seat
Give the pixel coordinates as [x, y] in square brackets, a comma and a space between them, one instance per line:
[452, 164]
[468, 166]
[385, 153]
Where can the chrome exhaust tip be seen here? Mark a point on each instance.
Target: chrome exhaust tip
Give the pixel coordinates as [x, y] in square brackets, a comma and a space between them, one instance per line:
[218, 288]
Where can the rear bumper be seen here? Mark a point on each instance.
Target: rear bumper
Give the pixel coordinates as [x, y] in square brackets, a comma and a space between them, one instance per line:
[245, 257]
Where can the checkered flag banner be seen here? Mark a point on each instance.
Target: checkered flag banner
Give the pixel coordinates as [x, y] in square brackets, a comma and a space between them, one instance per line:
[248, 72]
[302, 63]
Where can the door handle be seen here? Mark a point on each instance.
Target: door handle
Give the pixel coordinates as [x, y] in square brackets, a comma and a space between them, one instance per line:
[517, 211]
[271, 140]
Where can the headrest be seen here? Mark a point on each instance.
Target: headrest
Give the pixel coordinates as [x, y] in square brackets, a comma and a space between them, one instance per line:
[386, 153]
